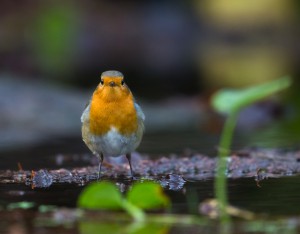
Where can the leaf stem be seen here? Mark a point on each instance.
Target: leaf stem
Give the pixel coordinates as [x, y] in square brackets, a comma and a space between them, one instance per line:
[221, 177]
[137, 213]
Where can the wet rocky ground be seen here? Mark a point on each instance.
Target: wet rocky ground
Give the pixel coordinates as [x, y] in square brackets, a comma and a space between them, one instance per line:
[170, 171]
[50, 194]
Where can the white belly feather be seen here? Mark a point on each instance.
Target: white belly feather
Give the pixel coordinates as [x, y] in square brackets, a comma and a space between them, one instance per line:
[114, 144]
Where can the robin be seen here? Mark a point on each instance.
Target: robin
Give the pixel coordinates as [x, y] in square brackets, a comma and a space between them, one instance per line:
[112, 122]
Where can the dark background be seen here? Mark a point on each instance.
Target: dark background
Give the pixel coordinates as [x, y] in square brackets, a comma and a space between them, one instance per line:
[173, 54]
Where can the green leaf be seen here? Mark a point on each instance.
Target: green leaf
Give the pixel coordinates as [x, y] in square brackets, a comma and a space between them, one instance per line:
[47, 208]
[98, 226]
[147, 195]
[148, 228]
[103, 195]
[230, 100]
[20, 205]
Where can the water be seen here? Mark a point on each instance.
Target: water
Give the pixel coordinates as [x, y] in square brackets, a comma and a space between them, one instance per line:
[276, 196]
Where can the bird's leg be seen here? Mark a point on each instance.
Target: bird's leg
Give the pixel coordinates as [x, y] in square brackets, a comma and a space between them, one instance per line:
[128, 156]
[100, 158]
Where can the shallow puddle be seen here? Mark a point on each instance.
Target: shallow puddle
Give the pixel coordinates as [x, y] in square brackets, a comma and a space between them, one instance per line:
[276, 196]
[275, 199]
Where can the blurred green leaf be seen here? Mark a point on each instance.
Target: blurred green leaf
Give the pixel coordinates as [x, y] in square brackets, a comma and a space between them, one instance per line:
[147, 195]
[94, 227]
[20, 205]
[229, 100]
[55, 29]
[47, 208]
[98, 226]
[103, 195]
[148, 228]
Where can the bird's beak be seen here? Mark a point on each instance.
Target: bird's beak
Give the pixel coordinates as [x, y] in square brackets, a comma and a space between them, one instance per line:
[112, 84]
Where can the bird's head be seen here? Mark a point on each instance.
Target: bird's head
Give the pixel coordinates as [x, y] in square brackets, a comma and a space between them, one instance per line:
[112, 86]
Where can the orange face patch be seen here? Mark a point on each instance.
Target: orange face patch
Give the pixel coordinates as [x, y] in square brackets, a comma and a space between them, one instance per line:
[112, 105]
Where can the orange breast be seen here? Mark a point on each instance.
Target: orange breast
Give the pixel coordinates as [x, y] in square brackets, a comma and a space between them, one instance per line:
[106, 113]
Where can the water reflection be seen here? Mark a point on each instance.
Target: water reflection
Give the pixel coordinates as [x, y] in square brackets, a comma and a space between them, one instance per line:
[275, 197]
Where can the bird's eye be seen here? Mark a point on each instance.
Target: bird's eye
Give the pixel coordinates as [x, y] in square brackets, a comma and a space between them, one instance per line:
[123, 82]
[101, 82]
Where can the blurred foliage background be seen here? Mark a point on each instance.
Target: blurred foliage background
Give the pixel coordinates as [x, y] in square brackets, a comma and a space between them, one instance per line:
[173, 55]
[172, 45]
